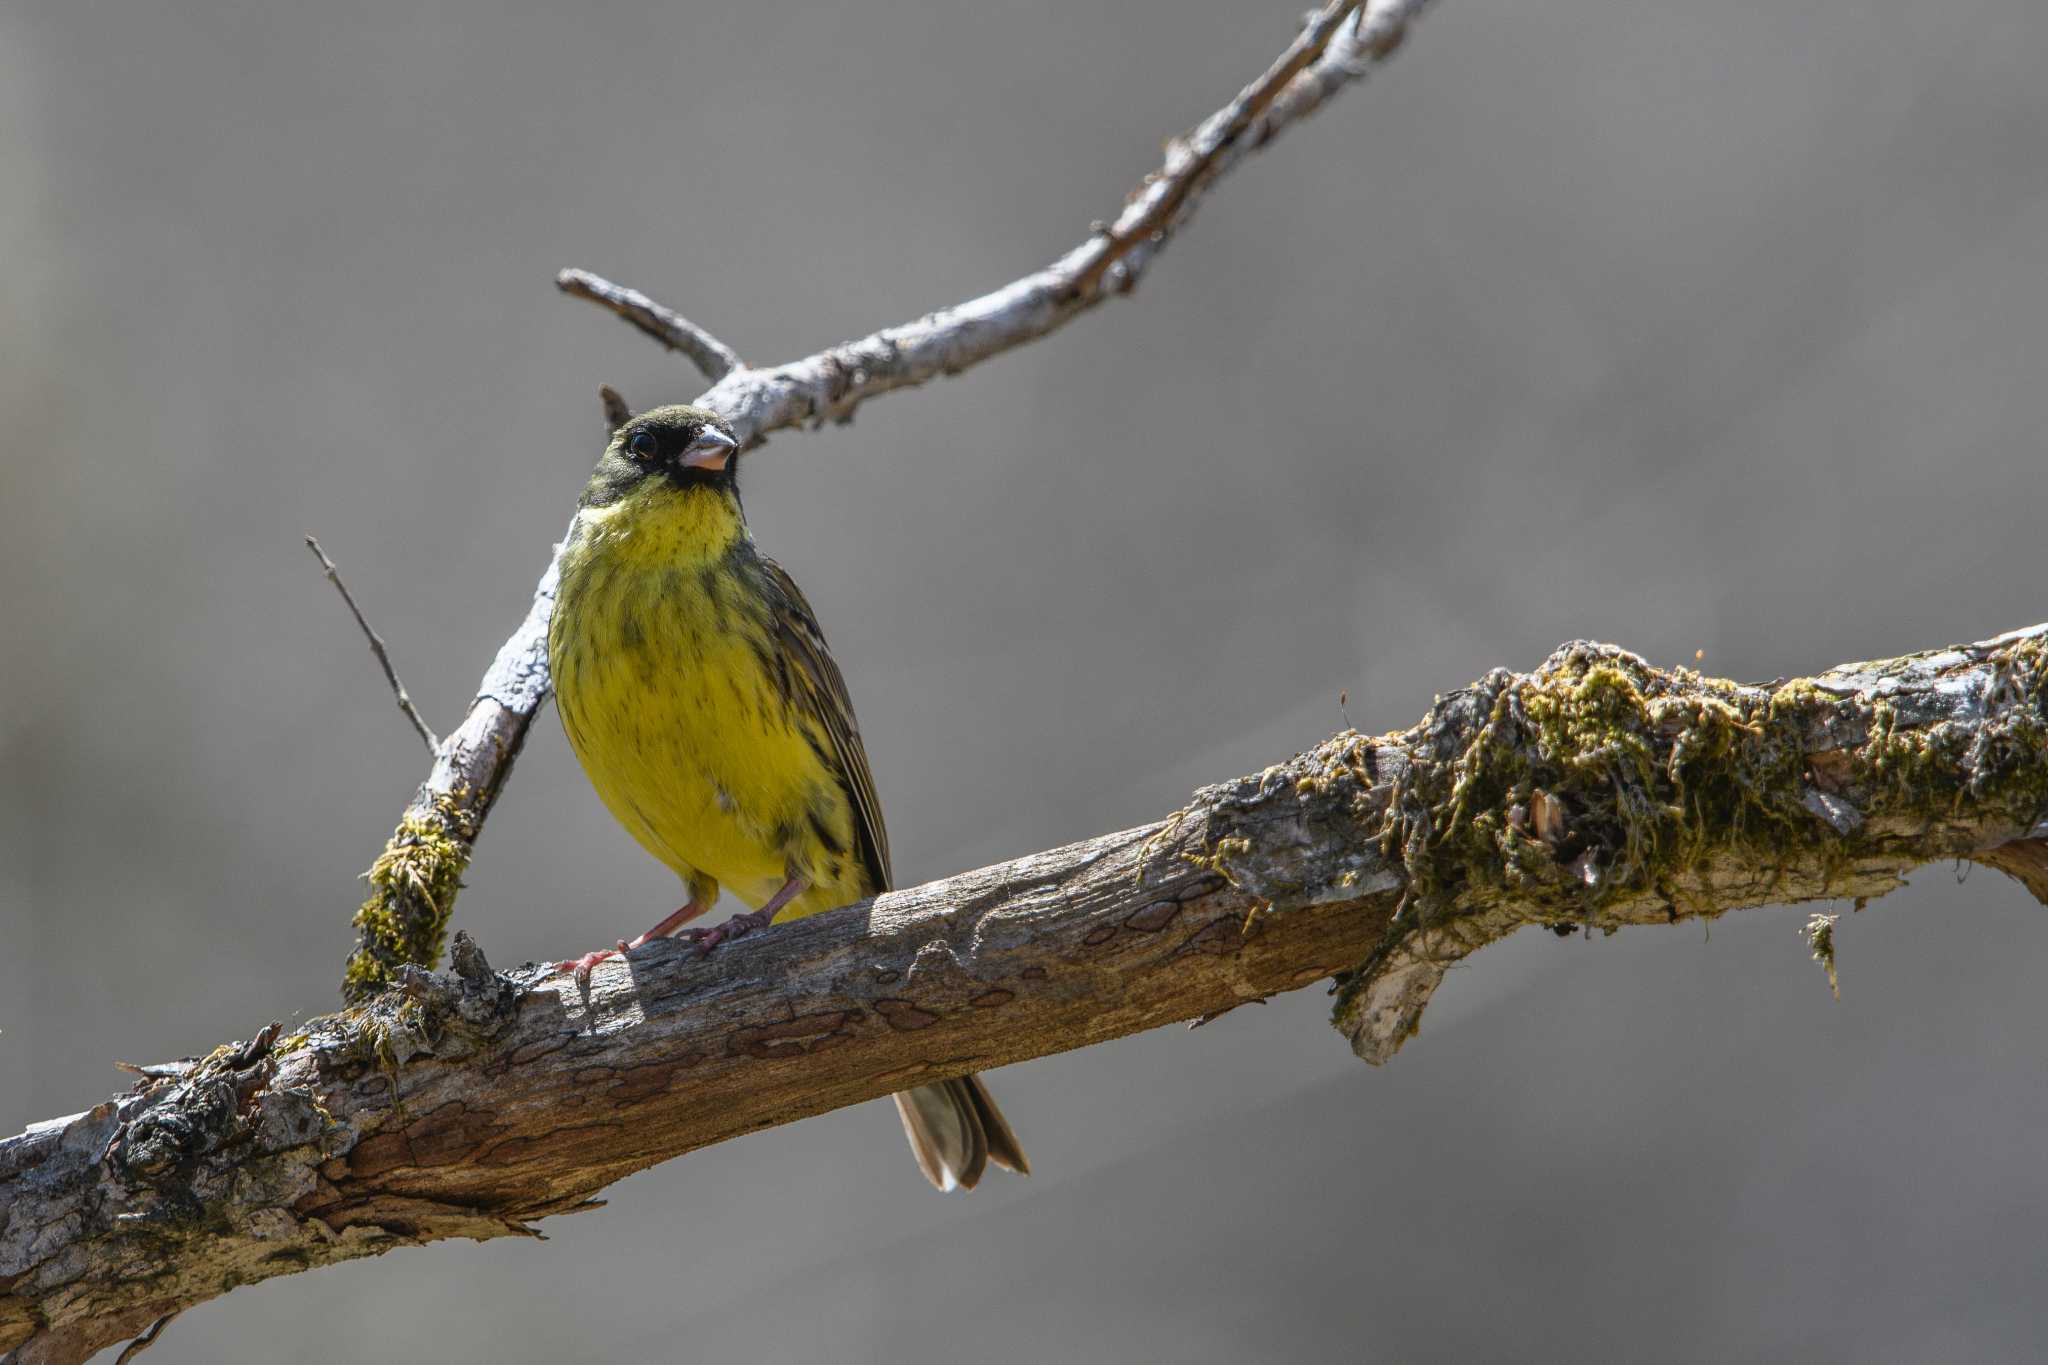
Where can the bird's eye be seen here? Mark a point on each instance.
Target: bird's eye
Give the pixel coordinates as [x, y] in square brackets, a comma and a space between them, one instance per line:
[642, 446]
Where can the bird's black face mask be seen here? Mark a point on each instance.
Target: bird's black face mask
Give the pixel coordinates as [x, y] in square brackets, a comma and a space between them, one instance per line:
[685, 446]
[691, 453]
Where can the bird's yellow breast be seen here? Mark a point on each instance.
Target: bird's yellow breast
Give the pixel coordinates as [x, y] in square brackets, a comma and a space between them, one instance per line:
[664, 670]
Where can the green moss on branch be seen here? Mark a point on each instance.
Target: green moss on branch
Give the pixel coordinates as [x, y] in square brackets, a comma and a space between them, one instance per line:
[413, 885]
[1599, 790]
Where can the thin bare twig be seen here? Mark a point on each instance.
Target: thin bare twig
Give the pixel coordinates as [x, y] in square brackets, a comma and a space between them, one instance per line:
[1191, 162]
[412, 712]
[710, 355]
[145, 1341]
[617, 411]
[1337, 46]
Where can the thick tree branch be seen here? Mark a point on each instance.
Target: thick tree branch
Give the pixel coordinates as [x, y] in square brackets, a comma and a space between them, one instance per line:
[1591, 793]
[414, 882]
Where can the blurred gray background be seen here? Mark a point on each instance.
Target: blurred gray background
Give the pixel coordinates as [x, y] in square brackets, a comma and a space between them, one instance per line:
[1690, 327]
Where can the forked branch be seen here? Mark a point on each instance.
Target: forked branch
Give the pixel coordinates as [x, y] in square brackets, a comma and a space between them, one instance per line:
[414, 882]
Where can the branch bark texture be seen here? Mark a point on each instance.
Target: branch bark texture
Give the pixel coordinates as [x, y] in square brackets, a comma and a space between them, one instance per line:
[414, 882]
[1593, 792]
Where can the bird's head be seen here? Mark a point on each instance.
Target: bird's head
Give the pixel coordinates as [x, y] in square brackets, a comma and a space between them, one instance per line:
[668, 453]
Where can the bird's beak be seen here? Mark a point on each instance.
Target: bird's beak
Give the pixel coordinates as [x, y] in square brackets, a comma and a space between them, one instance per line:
[710, 450]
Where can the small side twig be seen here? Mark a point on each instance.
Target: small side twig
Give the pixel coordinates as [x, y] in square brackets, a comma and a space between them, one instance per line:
[710, 355]
[412, 712]
[1213, 1015]
[1820, 939]
[159, 1071]
[617, 412]
[145, 1341]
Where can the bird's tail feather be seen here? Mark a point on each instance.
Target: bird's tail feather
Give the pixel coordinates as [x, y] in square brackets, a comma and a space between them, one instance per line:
[955, 1130]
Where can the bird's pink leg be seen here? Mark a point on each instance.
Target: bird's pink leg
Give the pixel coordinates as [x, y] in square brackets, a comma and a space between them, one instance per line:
[741, 925]
[581, 965]
[669, 925]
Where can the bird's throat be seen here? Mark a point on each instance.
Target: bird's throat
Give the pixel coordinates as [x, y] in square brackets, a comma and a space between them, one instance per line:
[658, 526]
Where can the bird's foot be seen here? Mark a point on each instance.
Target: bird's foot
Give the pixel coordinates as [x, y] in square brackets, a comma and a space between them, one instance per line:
[581, 966]
[739, 926]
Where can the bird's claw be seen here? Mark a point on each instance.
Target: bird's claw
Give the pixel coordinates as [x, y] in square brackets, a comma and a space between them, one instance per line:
[739, 926]
[704, 940]
[581, 966]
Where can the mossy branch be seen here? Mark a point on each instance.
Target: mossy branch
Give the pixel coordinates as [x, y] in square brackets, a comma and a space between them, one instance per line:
[404, 919]
[1599, 791]
[1336, 47]
[1592, 792]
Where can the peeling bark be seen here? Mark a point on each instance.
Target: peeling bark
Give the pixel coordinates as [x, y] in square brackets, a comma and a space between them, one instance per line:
[1592, 792]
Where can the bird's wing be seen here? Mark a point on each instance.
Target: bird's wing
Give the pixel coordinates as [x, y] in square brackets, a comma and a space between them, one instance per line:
[819, 687]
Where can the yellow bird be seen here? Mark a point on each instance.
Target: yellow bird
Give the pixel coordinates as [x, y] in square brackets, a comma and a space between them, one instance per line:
[700, 697]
